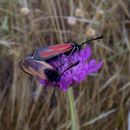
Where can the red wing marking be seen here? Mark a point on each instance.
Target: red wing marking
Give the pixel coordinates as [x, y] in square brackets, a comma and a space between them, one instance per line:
[55, 50]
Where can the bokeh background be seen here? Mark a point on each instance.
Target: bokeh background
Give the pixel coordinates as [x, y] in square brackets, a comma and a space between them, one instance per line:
[101, 101]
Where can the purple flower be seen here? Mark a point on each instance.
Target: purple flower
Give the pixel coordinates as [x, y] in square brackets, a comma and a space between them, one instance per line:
[76, 74]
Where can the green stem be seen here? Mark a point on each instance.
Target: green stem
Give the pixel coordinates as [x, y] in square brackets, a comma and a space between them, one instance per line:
[73, 112]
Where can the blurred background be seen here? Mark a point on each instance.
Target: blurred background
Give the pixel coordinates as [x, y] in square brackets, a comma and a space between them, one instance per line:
[101, 101]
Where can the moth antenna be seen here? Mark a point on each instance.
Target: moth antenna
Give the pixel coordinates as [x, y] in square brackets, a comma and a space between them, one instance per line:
[92, 40]
[53, 93]
[69, 68]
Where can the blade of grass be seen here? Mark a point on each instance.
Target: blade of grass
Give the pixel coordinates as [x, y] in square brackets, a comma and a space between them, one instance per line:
[74, 120]
[4, 25]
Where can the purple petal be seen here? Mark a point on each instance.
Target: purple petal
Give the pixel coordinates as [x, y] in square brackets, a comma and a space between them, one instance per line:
[86, 53]
[94, 66]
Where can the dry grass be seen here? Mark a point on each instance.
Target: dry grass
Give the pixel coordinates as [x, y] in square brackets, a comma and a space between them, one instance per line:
[102, 100]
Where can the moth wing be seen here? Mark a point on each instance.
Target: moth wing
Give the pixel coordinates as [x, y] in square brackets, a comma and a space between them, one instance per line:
[51, 51]
[35, 68]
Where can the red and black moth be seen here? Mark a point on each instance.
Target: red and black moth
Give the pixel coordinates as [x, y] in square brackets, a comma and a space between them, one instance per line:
[53, 51]
[42, 69]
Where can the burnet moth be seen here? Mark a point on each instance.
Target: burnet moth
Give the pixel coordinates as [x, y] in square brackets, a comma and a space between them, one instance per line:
[41, 69]
[53, 51]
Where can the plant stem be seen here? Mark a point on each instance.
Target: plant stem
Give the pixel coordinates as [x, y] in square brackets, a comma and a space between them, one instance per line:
[73, 112]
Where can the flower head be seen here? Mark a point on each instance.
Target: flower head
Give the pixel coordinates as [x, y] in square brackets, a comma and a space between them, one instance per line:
[75, 74]
[71, 20]
[25, 11]
[79, 12]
